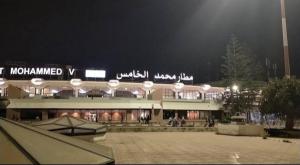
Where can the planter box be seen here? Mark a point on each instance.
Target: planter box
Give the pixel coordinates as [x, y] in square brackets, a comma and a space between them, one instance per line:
[240, 130]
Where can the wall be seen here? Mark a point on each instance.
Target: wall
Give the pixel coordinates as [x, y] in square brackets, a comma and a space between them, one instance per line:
[157, 94]
[15, 92]
[241, 130]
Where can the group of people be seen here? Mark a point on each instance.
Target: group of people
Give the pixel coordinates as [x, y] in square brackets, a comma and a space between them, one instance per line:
[210, 122]
[144, 119]
[176, 121]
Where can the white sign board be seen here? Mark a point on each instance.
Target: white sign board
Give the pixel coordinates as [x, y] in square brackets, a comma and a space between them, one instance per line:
[95, 73]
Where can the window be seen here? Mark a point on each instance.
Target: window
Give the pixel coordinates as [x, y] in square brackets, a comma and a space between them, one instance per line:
[168, 94]
[189, 95]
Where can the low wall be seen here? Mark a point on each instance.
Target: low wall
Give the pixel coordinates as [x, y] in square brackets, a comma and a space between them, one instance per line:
[159, 129]
[240, 130]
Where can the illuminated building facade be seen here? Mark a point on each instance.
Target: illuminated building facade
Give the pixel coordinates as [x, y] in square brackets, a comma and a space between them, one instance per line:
[48, 92]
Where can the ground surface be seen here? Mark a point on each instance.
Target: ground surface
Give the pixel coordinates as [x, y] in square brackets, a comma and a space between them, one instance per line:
[199, 147]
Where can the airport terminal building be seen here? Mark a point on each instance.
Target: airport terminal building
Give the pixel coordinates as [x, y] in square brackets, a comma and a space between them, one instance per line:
[50, 91]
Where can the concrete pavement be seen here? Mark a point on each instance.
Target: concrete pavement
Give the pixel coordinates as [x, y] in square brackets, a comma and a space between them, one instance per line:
[199, 147]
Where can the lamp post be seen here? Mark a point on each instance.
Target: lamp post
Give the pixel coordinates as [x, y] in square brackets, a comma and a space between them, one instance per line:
[113, 85]
[147, 87]
[287, 71]
[75, 84]
[205, 88]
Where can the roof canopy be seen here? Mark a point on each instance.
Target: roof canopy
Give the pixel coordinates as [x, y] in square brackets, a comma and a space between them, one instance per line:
[71, 126]
[23, 144]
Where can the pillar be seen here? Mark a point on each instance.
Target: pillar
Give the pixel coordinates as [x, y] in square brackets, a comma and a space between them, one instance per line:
[38, 91]
[128, 116]
[160, 116]
[45, 115]
[146, 94]
[4, 91]
[113, 92]
[76, 91]
[202, 95]
[176, 94]
[152, 114]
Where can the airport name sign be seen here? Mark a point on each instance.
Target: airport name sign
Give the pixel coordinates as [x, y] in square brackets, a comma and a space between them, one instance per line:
[50, 72]
[144, 75]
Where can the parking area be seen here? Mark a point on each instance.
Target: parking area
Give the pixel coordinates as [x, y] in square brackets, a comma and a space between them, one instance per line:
[199, 147]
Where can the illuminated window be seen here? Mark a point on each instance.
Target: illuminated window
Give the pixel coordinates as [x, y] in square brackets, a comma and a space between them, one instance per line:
[189, 94]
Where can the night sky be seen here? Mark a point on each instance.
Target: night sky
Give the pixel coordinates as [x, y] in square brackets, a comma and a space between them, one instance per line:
[166, 36]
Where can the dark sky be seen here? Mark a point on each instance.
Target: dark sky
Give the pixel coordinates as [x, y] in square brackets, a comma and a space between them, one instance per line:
[167, 36]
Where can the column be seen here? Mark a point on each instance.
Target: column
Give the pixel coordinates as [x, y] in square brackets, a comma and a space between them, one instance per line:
[113, 92]
[147, 93]
[76, 92]
[4, 91]
[176, 94]
[160, 116]
[45, 115]
[128, 116]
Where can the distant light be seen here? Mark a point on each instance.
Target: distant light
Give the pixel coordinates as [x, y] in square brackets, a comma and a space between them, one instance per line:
[206, 87]
[76, 82]
[227, 89]
[179, 86]
[235, 87]
[109, 91]
[148, 84]
[54, 91]
[113, 83]
[82, 91]
[95, 73]
[136, 92]
[37, 81]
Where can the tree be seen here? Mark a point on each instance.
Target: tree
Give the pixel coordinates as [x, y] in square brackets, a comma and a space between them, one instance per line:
[282, 98]
[3, 104]
[240, 101]
[240, 63]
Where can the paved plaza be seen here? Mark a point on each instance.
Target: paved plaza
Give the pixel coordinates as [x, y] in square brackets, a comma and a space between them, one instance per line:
[199, 147]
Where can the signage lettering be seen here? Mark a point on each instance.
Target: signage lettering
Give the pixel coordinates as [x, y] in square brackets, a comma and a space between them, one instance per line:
[71, 71]
[23, 72]
[133, 74]
[181, 77]
[36, 71]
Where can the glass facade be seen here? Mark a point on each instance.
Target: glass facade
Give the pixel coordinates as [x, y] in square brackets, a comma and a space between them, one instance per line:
[105, 116]
[187, 114]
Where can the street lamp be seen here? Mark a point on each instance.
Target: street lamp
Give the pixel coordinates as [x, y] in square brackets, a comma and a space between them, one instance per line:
[235, 88]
